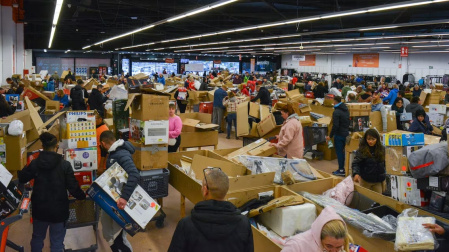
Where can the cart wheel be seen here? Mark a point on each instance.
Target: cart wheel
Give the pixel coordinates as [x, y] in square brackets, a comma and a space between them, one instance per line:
[160, 223]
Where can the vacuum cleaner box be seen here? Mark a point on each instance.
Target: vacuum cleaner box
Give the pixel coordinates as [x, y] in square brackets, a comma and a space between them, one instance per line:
[82, 159]
[106, 190]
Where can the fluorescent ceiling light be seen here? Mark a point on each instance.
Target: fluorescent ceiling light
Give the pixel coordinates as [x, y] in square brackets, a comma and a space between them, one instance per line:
[379, 28]
[176, 18]
[342, 14]
[431, 46]
[55, 20]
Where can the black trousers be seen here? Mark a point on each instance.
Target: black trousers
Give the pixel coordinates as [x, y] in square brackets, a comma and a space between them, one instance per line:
[175, 147]
[182, 106]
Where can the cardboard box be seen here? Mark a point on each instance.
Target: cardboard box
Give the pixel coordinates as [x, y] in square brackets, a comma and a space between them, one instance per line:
[120, 115]
[105, 191]
[35, 96]
[85, 179]
[409, 192]
[80, 116]
[437, 108]
[403, 139]
[23, 116]
[16, 155]
[245, 149]
[428, 139]
[395, 162]
[358, 123]
[156, 132]
[359, 109]
[198, 139]
[242, 119]
[305, 121]
[136, 128]
[52, 106]
[436, 119]
[355, 141]
[148, 107]
[80, 135]
[264, 150]
[196, 122]
[150, 157]
[266, 125]
[328, 154]
[82, 159]
[375, 121]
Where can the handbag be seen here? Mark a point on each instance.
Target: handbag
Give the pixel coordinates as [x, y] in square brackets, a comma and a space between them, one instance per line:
[171, 141]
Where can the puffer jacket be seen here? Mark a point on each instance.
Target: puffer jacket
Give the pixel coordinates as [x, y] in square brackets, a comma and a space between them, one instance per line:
[340, 118]
[121, 152]
[369, 168]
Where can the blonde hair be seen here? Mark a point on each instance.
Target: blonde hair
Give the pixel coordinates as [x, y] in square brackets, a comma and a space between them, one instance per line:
[336, 229]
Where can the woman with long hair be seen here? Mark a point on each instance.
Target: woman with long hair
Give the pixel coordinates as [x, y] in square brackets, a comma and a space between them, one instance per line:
[5, 108]
[368, 167]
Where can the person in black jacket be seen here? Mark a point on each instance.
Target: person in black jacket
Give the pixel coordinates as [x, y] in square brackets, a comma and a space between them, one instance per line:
[5, 108]
[368, 167]
[215, 224]
[119, 152]
[340, 130]
[53, 176]
[78, 94]
[319, 91]
[263, 94]
[96, 100]
[182, 101]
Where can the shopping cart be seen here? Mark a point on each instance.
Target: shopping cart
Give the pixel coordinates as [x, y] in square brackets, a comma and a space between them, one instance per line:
[313, 136]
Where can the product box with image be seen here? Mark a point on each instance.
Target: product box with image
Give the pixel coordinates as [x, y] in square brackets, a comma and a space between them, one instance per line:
[403, 139]
[120, 115]
[358, 123]
[14, 99]
[80, 135]
[106, 190]
[85, 179]
[436, 119]
[437, 108]
[82, 159]
[80, 116]
[136, 130]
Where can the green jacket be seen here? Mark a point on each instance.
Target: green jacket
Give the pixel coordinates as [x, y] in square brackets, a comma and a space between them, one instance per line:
[345, 90]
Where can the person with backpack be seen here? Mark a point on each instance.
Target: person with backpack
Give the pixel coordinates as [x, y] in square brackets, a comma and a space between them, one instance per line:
[78, 94]
[368, 167]
[53, 177]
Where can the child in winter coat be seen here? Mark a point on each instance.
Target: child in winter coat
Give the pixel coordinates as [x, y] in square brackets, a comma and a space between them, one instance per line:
[368, 167]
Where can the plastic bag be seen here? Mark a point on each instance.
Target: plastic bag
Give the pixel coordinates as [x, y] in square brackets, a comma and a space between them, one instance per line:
[300, 168]
[15, 128]
[117, 93]
[370, 225]
[342, 192]
[411, 235]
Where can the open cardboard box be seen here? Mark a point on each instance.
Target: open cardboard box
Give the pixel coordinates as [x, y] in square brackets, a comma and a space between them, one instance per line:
[370, 244]
[260, 147]
[190, 122]
[198, 139]
[191, 189]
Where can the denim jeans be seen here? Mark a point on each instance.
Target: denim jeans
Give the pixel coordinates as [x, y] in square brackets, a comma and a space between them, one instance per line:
[231, 117]
[57, 235]
[339, 143]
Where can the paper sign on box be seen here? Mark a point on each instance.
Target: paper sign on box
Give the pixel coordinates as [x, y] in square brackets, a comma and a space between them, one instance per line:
[156, 132]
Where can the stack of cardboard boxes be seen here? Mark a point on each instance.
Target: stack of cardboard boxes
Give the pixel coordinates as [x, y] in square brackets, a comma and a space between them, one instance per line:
[197, 131]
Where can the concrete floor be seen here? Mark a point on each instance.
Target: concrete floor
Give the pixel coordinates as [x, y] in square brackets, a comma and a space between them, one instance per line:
[153, 239]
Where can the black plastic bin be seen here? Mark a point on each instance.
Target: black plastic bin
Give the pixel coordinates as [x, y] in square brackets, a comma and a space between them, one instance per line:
[361, 202]
[155, 182]
[381, 211]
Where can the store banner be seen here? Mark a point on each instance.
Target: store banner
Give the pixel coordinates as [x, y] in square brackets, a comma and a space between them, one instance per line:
[310, 60]
[217, 62]
[253, 64]
[404, 51]
[298, 57]
[366, 60]
[169, 60]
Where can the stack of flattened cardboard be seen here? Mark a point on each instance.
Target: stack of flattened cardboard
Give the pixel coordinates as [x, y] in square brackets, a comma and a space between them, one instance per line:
[265, 126]
[295, 96]
[149, 130]
[260, 147]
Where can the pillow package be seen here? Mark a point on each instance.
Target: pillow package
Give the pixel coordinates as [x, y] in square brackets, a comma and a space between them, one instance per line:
[342, 192]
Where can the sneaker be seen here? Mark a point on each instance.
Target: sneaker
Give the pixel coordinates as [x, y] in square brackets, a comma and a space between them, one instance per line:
[228, 137]
[339, 173]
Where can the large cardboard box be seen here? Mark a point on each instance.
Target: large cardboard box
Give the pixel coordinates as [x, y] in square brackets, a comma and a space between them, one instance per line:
[328, 154]
[197, 122]
[149, 157]
[266, 125]
[106, 190]
[35, 96]
[242, 119]
[80, 135]
[375, 120]
[395, 162]
[82, 159]
[148, 107]
[359, 109]
[198, 139]
[23, 116]
[355, 141]
[403, 139]
[51, 107]
[16, 155]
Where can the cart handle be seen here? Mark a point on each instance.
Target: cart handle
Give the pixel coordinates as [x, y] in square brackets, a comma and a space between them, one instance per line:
[25, 203]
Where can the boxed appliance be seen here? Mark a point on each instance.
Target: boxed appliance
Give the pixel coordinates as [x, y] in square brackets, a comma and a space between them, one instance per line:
[429, 183]
[85, 179]
[156, 132]
[358, 123]
[403, 139]
[120, 115]
[80, 135]
[106, 190]
[82, 159]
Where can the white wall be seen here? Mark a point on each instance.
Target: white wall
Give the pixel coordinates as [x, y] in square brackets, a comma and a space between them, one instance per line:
[12, 50]
[417, 64]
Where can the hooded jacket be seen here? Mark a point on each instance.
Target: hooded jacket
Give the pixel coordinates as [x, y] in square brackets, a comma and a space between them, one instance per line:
[264, 96]
[412, 108]
[340, 118]
[78, 94]
[291, 141]
[53, 176]
[121, 152]
[216, 226]
[392, 96]
[96, 100]
[419, 127]
[310, 241]
[369, 168]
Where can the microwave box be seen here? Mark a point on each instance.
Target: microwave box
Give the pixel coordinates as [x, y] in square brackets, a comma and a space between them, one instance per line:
[82, 159]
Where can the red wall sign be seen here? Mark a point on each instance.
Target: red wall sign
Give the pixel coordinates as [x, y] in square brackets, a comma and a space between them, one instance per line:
[168, 60]
[404, 51]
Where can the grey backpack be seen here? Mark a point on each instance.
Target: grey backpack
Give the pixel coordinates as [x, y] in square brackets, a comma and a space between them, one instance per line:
[429, 160]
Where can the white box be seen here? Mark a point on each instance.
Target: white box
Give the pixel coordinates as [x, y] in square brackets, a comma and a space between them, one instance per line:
[409, 192]
[436, 119]
[82, 159]
[437, 108]
[395, 185]
[286, 221]
[156, 132]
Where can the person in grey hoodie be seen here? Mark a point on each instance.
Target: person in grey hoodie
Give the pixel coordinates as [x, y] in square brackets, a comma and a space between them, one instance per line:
[119, 152]
[413, 106]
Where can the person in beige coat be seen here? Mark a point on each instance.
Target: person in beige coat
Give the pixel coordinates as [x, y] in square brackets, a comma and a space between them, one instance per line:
[290, 139]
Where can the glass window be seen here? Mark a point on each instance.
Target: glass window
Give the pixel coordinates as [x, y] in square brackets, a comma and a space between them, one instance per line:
[207, 65]
[125, 66]
[233, 67]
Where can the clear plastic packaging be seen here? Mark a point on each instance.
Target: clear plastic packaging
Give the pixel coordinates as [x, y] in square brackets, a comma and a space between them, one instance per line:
[300, 168]
[411, 235]
[15, 128]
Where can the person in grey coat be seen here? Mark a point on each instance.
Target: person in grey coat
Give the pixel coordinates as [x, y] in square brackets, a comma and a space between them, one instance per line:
[119, 152]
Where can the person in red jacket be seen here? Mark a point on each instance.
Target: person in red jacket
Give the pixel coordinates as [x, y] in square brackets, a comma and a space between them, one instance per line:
[245, 90]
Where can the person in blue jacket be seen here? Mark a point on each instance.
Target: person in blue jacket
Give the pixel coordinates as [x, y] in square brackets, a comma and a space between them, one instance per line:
[421, 124]
[161, 79]
[218, 107]
[50, 85]
[62, 98]
[392, 95]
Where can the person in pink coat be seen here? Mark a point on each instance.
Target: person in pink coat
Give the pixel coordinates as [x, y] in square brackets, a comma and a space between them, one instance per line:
[328, 233]
[174, 129]
[290, 139]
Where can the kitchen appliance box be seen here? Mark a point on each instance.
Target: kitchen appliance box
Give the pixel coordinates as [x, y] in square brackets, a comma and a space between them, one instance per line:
[241, 177]
[120, 115]
[106, 190]
[82, 159]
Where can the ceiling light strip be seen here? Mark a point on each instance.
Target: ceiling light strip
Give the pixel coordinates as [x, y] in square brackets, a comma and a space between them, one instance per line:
[58, 8]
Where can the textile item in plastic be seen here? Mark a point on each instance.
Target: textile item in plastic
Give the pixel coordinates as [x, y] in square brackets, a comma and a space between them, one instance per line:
[287, 221]
[272, 235]
[117, 93]
[298, 167]
[427, 161]
[411, 235]
[197, 84]
[371, 226]
[15, 128]
[342, 192]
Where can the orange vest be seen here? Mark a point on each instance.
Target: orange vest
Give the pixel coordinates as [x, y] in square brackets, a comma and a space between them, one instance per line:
[100, 130]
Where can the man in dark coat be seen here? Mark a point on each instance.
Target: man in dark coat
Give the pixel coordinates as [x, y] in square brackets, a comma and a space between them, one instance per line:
[120, 152]
[53, 176]
[215, 224]
[96, 100]
[78, 94]
[340, 130]
[263, 94]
